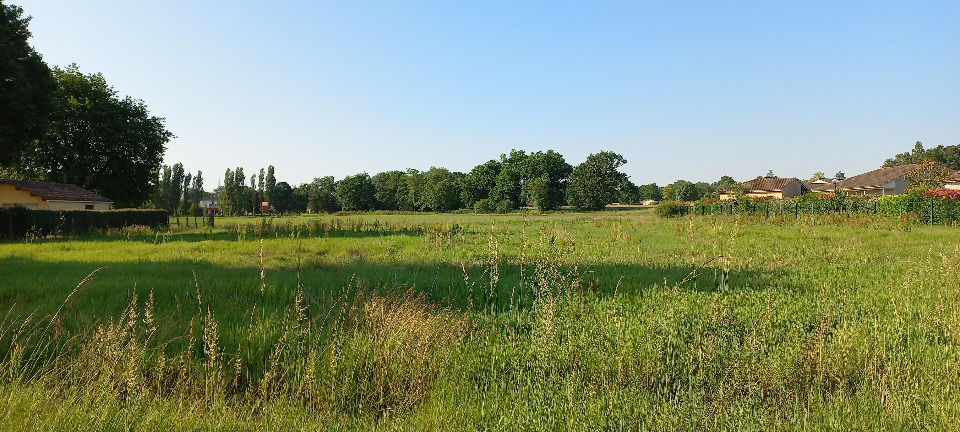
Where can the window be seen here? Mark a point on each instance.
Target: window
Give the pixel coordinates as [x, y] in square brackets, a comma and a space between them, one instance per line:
[88, 206]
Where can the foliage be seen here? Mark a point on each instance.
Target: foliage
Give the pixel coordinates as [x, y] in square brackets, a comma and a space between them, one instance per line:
[356, 192]
[669, 209]
[545, 180]
[509, 184]
[282, 199]
[950, 194]
[322, 195]
[650, 192]
[26, 87]
[20, 223]
[478, 183]
[681, 190]
[928, 175]
[99, 141]
[391, 189]
[948, 156]
[596, 182]
[439, 191]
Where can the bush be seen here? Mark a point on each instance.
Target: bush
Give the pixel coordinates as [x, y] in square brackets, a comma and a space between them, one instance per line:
[669, 209]
[504, 206]
[484, 206]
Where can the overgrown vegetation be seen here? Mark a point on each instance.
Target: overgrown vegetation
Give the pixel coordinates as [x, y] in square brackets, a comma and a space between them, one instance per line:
[564, 321]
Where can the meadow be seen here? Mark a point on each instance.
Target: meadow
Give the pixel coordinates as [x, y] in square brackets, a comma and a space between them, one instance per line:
[615, 320]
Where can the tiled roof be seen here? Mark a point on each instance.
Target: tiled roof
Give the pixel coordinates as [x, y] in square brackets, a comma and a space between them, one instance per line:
[56, 191]
[876, 178]
[766, 184]
[820, 187]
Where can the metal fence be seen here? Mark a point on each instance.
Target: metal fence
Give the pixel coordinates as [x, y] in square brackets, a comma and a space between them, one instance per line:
[930, 212]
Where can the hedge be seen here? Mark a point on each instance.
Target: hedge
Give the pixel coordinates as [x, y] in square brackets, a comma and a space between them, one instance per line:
[19, 222]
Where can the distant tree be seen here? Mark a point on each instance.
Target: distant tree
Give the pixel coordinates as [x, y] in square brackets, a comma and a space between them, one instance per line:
[681, 190]
[390, 189]
[27, 87]
[98, 141]
[948, 156]
[544, 180]
[840, 176]
[478, 183]
[356, 192]
[176, 192]
[725, 181]
[770, 174]
[507, 193]
[650, 191]
[817, 176]
[440, 190]
[596, 182]
[301, 198]
[630, 193]
[323, 195]
[703, 190]
[198, 188]
[271, 183]
[283, 200]
[416, 190]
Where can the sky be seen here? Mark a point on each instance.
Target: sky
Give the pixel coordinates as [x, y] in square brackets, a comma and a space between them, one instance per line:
[688, 90]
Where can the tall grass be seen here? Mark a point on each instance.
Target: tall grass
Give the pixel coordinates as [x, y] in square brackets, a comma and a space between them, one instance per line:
[575, 324]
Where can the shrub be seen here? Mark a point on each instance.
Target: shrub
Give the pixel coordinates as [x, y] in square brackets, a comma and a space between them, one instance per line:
[670, 209]
[484, 206]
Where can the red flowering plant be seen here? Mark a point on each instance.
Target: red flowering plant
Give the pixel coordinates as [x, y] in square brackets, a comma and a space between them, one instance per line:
[950, 194]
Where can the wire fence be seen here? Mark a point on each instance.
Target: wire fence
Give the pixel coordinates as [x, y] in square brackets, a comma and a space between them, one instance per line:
[930, 212]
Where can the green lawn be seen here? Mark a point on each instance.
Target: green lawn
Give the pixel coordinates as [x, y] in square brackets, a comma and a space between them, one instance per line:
[580, 321]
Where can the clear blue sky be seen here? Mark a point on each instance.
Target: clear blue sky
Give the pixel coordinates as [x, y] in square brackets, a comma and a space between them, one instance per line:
[690, 90]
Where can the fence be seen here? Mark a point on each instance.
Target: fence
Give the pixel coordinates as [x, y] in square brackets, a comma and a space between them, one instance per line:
[930, 212]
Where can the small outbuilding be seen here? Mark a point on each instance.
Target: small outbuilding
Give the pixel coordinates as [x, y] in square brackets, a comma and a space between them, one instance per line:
[49, 196]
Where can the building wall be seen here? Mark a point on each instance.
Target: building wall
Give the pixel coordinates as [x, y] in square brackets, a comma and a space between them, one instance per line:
[792, 189]
[10, 196]
[77, 205]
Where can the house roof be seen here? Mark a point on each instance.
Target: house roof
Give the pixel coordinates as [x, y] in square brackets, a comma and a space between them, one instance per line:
[876, 178]
[56, 191]
[766, 184]
[820, 186]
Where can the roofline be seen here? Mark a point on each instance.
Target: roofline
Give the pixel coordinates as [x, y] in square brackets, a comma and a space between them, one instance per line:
[78, 201]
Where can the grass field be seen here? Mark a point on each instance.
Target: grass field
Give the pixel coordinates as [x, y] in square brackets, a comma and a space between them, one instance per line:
[567, 321]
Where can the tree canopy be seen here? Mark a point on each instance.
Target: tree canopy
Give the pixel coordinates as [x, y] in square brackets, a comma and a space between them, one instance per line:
[948, 156]
[596, 182]
[26, 87]
[99, 141]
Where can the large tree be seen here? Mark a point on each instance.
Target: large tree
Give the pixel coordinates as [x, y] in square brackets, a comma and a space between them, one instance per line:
[545, 178]
[322, 195]
[356, 192]
[99, 141]
[478, 183]
[26, 87]
[391, 189]
[948, 156]
[596, 182]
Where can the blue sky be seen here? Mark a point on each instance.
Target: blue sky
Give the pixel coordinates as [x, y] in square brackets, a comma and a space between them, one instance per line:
[683, 90]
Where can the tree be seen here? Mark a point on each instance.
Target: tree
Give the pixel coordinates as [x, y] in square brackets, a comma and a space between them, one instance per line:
[390, 189]
[322, 195]
[98, 141]
[26, 87]
[478, 183]
[356, 192]
[840, 176]
[650, 191]
[198, 188]
[725, 181]
[928, 175]
[681, 190]
[544, 180]
[507, 193]
[770, 174]
[271, 183]
[948, 156]
[596, 182]
[282, 200]
[817, 176]
[440, 190]
[629, 193]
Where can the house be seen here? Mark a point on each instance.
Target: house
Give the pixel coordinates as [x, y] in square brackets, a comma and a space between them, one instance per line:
[954, 182]
[210, 205]
[49, 196]
[774, 187]
[821, 184]
[879, 182]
